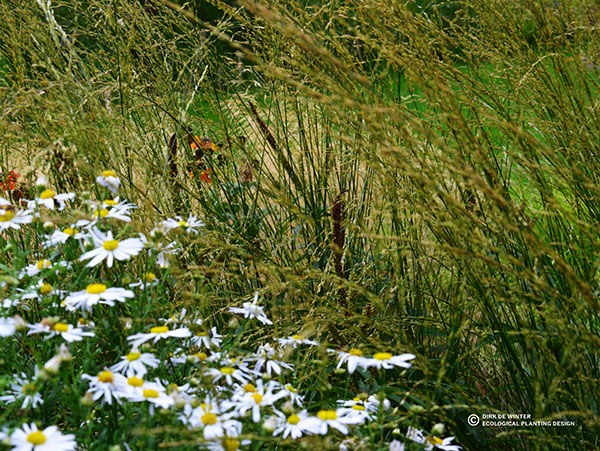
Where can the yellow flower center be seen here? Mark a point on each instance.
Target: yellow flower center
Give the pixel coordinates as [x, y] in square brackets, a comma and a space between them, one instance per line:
[290, 388]
[227, 370]
[298, 337]
[28, 389]
[47, 194]
[108, 174]
[435, 440]
[61, 327]
[96, 288]
[149, 393]
[293, 419]
[327, 415]
[356, 352]
[103, 213]
[111, 245]
[133, 356]
[135, 381]
[209, 418]
[382, 356]
[231, 444]
[70, 231]
[148, 277]
[257, 398]
[36, 438]
[183, 224]
[110, 202]
[7, 215]
[106, 376]
[159, 330]
[46, 289]
[201, 356]
[358, 407]
[202, 334]
[41, 264]
[249, 388]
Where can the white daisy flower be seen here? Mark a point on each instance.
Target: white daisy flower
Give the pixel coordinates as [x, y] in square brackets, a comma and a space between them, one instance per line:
[118, 203]
[227, 443]
[153, 392]
[66, 331]
[208, 416]
[160, 249]
[292, 393]
[41, 265]
[11, 217]
[325, 419]
[29, 438]
[48, 197]
[431, 442]
[207, 339]
[264, 357]
[108, 386]
[252, 310]
[148, 280]
[135, 363]
[354, 357]
[39, 291]
[106, 210]
[359, 407]
[95, 293]
[252, 398]
[157, 333]
[23, 389]
[110, 249]
[229, 373]
[110, 180]
[387, 361]
[189, 226]
[290, 425]
[295, 340]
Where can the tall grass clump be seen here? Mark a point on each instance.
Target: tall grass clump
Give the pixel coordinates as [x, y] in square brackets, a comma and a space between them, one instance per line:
[401, 177]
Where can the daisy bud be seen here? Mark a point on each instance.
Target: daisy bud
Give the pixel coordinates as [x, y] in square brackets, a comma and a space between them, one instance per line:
[64, 354]
[115, 448]
[52, 366]
[396, 432]
[179, 401]
[146, 347]
[417, 409]
[233, 323]
[87, 400]
[438, 429]
[20, 323]
[339, 370]
[270, 424]
[48, 226]
[195, 402]
[287, 408]
[41, 183]
[86, 195]
[9, 280]
[194, 382]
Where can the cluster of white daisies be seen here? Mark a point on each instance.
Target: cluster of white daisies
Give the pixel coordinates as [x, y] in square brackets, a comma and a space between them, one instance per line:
[246, 386]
